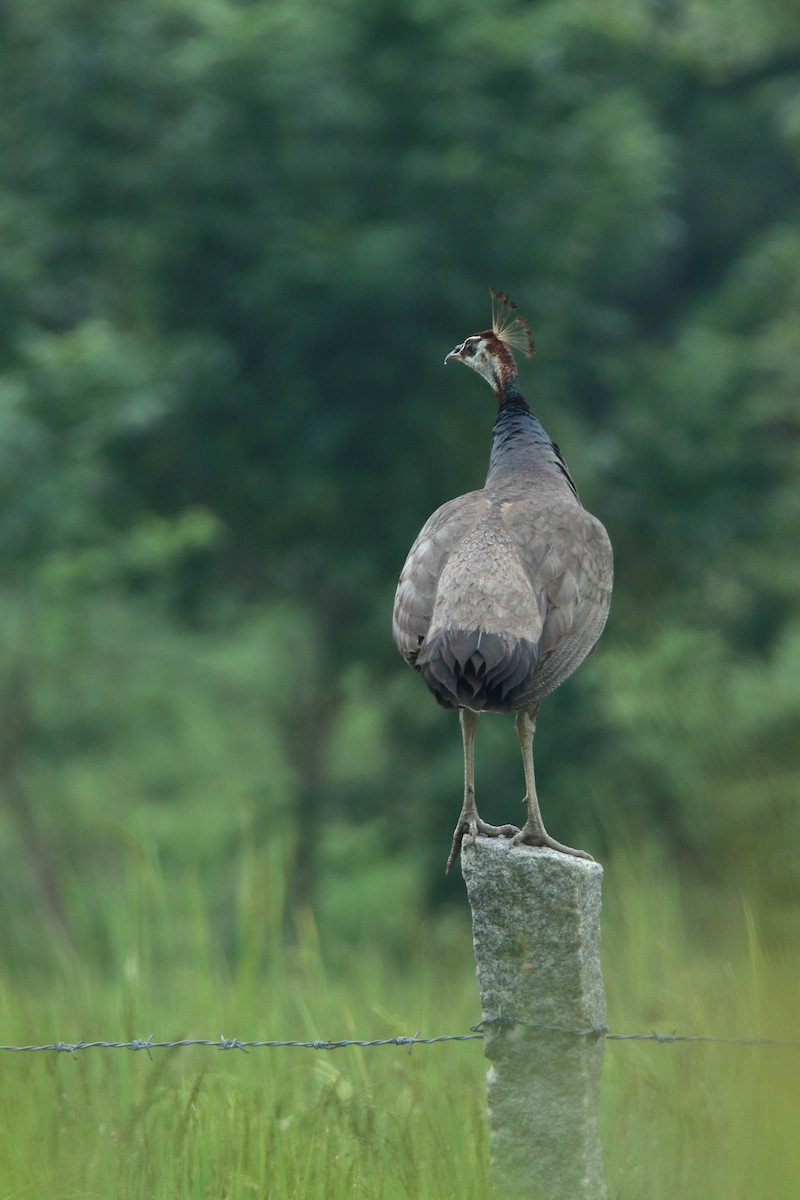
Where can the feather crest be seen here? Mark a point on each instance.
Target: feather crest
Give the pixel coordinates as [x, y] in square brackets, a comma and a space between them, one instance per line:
[508, 325]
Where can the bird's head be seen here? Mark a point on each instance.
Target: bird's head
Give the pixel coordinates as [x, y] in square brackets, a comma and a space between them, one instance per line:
[489, 353]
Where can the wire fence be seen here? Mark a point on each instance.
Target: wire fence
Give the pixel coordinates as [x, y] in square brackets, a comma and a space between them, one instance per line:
[476, 1033]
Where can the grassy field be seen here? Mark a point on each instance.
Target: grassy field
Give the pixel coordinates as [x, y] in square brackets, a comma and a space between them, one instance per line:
[690, 1120]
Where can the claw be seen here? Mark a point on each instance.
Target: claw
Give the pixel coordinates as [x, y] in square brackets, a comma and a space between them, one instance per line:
[474, 825]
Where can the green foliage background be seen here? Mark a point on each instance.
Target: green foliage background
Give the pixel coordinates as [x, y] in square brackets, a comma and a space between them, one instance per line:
[238, 239]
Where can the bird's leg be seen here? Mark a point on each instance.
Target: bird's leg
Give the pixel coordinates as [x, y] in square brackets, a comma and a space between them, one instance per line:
[469, 822]
[533, 832]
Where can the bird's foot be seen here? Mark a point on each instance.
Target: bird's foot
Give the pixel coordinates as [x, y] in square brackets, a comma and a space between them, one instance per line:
[471, 824]
[537, 835]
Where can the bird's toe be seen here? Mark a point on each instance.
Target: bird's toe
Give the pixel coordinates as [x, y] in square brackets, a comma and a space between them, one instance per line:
[531, 835]
[473, 825]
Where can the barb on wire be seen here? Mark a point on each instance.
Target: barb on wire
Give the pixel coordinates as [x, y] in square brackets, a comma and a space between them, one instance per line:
[476, 1033]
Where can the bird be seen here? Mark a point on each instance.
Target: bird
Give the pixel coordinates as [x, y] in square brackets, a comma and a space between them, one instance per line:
[506, 589]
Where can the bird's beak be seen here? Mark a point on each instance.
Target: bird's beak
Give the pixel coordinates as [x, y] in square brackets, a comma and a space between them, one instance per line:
[454, 354]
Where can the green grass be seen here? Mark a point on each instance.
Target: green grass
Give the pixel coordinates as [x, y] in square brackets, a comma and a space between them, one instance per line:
[203, 1123]
[712, 1121]
[705, 1121]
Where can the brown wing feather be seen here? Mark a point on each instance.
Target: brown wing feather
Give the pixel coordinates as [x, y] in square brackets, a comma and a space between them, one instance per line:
[416, 591]
[567, 557]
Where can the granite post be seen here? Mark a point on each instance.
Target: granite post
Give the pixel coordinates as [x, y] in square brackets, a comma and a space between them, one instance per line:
[536, 934]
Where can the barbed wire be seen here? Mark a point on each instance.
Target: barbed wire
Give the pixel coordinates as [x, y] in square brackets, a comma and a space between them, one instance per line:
[224, 1043]
[476, 1032]
[603, 1032]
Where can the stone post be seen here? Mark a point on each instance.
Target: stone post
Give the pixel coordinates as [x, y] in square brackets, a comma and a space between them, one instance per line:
[536, 933]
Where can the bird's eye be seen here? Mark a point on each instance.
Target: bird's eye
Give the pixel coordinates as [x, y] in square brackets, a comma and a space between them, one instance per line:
[469, 349]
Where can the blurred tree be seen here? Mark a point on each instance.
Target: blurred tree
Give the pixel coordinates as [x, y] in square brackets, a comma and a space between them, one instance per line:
[241, 238]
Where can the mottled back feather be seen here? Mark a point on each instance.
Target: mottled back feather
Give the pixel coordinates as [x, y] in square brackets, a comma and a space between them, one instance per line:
[504, 593]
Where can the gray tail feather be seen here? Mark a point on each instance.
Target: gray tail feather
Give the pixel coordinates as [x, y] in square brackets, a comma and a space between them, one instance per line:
[487, 672]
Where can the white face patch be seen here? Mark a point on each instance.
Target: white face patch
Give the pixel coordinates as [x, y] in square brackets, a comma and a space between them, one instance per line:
[479, 355]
